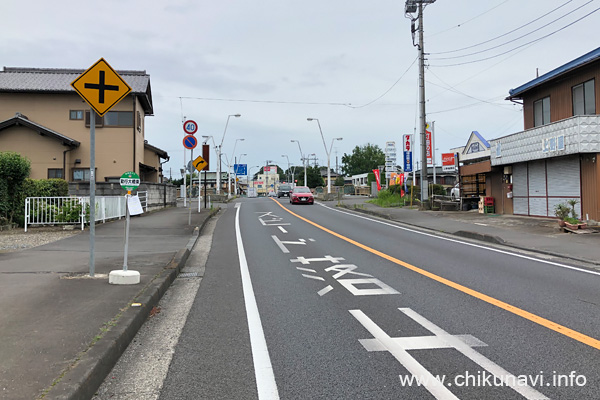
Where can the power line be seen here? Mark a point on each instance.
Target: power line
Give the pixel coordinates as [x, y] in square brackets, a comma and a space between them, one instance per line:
[469, 20]
[518, 47]
[513, 40]
[505, 34]
[391, 87]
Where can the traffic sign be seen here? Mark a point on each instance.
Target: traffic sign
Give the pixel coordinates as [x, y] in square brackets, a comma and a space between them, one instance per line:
[130, 181]
[199, 163]
[190, 142]
[190, 127]
[101, 87]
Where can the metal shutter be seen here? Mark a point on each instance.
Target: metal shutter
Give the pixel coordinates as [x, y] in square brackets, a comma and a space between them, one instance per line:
[520, 191]
[563, 181]
[537, 188]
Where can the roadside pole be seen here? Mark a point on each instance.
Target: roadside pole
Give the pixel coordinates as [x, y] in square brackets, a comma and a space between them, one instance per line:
[92, 191]
[102, 88]
[129, 181]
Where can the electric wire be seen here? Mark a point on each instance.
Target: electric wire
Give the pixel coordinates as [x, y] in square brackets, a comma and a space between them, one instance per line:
[520, 46]
[513, 40]
[505, 34]
[391, 87]
[469, 20]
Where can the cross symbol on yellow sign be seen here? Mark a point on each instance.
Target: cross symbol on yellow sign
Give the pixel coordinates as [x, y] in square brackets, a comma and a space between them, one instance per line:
[101, 87]
[199, 163]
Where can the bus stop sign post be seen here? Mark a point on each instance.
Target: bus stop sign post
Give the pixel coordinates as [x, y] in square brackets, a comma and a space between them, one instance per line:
[129, 181]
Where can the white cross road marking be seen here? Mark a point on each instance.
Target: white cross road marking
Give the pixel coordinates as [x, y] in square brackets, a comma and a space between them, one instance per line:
[281, 243]
[269, 213]
[325, 290]
[306, 270]
[282, 229]
[273, 222]
[318, 278]
[507, 378]
[344, 269]
[399, 347]
[350, 285]
[307, 261]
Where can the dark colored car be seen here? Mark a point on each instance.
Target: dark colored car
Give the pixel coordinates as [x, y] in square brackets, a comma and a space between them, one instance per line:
[284, 190]
[301, 195]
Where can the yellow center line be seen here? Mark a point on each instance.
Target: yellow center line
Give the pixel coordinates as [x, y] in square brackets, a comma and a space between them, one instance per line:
[580, 337]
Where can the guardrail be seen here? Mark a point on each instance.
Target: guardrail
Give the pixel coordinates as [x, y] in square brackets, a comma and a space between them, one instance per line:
[75, 210]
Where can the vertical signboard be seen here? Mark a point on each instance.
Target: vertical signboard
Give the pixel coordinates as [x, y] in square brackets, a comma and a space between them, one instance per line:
[407, 144]
[429, 142]
[390, 158]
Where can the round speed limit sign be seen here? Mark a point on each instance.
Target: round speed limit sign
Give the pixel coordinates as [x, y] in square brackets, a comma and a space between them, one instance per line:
[190, 127]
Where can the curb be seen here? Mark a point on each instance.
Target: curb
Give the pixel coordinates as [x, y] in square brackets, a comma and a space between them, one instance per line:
[89, 371]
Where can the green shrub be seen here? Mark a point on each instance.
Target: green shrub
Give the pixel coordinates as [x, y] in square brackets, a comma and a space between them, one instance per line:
[13, 170]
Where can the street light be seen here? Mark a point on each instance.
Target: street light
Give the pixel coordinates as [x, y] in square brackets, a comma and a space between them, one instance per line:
[229, 167]
[288, 160]
[219, 152]
[302, 159]
[326, 151]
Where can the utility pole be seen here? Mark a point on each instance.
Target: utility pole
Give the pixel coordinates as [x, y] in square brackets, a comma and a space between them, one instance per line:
[411, 7]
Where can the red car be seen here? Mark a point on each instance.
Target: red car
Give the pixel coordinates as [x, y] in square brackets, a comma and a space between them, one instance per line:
[301, 195]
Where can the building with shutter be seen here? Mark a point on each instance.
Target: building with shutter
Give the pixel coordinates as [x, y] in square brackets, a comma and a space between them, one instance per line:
[45, 120]
[556, 157]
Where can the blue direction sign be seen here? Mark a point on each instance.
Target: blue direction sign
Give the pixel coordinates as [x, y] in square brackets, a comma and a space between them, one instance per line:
[240, 169]
[190, 142]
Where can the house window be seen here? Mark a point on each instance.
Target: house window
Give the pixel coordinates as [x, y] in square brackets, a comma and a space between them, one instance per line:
[584, 99]
[75, 114]
[474, 148]
[55, 173]
[81, 174]
[99, 120]
[541, 112]
[118, 118]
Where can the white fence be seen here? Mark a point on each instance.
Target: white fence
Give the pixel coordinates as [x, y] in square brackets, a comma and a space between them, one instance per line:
[73, 210]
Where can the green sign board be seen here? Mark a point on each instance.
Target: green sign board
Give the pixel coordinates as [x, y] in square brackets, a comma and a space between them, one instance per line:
[130, 181]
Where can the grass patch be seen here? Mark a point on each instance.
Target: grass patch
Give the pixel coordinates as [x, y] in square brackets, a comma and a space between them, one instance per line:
[387, 199]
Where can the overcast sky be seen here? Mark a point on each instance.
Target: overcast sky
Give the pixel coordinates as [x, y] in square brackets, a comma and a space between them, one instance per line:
[349, 63]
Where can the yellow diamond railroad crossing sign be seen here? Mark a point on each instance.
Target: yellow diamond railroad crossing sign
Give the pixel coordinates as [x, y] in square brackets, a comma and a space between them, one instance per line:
[199, 163]
[101, 87]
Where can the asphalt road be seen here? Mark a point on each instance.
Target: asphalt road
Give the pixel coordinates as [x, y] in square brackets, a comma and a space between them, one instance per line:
[322, 303]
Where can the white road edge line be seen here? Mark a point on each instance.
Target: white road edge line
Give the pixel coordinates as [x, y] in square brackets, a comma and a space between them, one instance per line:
[467, 243]
[263, 370]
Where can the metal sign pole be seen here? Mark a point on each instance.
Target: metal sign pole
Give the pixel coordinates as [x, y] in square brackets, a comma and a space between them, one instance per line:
[92, 190]
[127, 219]
[191, 180]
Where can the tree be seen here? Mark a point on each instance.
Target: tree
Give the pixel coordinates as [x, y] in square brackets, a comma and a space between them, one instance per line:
[339, 181]
[313, 177]
[13, 170]
[363, 159]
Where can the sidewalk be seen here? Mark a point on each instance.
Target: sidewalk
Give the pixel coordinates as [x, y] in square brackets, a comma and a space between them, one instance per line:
[61, 330]
[541, 235]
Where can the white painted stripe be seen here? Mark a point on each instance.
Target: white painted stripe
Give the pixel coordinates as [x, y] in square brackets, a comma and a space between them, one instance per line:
[318, 278]
[467, 243]
[281, 246]
[307, 270]
[325, 290]
[429, 382]
[281, 228]
[480, 224]
[507, 378]
[263, 370]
